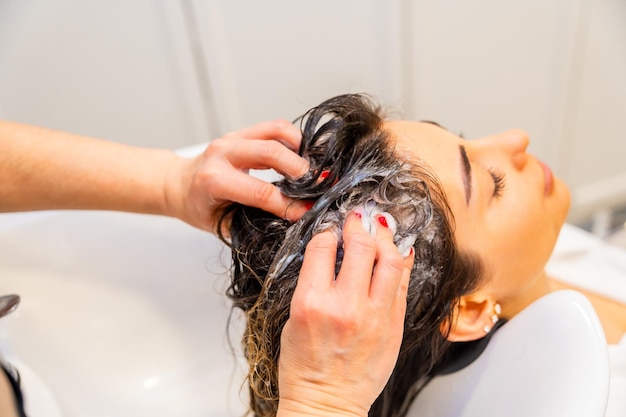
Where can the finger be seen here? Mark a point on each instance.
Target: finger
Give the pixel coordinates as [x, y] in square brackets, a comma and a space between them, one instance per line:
[263, 154]
[280, 130]
[401, 294]
[390, 265]
[358, 260]
[242, 188]
[403, 288]
[296, 209]
[318, 266]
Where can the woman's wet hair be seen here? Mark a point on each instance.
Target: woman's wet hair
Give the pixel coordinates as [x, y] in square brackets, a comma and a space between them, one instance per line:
[353, 162]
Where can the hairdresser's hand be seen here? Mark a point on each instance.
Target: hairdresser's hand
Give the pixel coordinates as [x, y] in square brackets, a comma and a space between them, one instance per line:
[342, 339]
[198, 188]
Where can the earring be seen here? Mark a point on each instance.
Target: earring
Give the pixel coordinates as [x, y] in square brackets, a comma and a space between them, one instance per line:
[495, 317]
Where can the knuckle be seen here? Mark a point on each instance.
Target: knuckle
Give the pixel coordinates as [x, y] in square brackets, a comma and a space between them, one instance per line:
[347, 320]
[209, 175]
[301, 308]
[308, 309]
[360, 241]
[280, 124]
[271, 151]
[231, 134]
[517, 132]
[394, 263]
[217, 146]
[322, 241]
[321, 247]
[313, 312]
[263, 192]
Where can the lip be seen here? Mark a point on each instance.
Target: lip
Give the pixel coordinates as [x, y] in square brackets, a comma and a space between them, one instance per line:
[548, 178]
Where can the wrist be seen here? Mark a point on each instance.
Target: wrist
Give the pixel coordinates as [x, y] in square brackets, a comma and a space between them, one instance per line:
[172, 200]
[308, 408]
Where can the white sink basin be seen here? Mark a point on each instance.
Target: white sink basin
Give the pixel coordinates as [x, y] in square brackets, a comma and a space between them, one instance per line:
[121, 315]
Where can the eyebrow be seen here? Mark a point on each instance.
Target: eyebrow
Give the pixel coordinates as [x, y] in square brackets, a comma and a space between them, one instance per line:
[434, 123]
[466, 174]
[460, 134]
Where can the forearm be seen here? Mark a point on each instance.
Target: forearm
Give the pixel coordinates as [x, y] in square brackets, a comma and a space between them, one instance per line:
[44, 169]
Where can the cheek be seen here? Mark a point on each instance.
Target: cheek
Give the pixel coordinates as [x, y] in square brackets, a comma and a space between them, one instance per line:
[519, 246]
[562, 199]
[527, 234]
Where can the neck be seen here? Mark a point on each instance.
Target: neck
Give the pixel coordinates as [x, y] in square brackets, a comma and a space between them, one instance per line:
[540, 286]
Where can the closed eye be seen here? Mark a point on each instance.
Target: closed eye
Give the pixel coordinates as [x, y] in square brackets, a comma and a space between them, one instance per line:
[498, 182]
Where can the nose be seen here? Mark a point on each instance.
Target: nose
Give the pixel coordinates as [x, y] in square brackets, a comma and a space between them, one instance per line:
[512, 144]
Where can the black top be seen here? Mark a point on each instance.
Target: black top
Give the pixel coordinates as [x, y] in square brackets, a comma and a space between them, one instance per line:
[461, 354]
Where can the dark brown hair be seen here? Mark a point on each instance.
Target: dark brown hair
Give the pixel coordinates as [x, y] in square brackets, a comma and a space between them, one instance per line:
[345, 137]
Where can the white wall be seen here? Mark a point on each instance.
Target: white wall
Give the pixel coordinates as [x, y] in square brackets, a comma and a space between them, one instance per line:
[114, 69]
[485, 66]
[594, 150]
[278, 58]
[172, 73]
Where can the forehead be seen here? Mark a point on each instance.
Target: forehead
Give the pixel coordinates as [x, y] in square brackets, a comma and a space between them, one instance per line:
[427, 143]
[433, 146]
[422, 140]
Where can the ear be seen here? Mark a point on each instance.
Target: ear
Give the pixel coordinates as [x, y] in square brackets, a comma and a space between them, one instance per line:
[473, 317]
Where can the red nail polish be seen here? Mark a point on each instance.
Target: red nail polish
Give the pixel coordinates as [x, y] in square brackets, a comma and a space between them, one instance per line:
[383, 221]
[411, 251]
[308, 205]
[324, 174]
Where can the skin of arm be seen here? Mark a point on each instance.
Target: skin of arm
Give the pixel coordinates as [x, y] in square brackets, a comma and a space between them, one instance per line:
[7, 402]
[46, 169]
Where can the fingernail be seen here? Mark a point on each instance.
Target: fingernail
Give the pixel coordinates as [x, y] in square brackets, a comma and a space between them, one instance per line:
[411, 251]
[324, 174]
[383, 221]
[308, 205]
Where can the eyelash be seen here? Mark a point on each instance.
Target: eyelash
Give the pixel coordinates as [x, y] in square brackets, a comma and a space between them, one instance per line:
[498, 182]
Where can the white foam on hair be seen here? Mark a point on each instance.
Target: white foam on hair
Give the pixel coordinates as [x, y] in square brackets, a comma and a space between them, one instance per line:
[394, 193]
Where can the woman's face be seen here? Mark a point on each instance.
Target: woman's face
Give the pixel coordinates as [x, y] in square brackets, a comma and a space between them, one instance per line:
[507, 206]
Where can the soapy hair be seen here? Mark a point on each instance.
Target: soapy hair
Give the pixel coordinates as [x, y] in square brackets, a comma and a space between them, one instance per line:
[353, 163]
